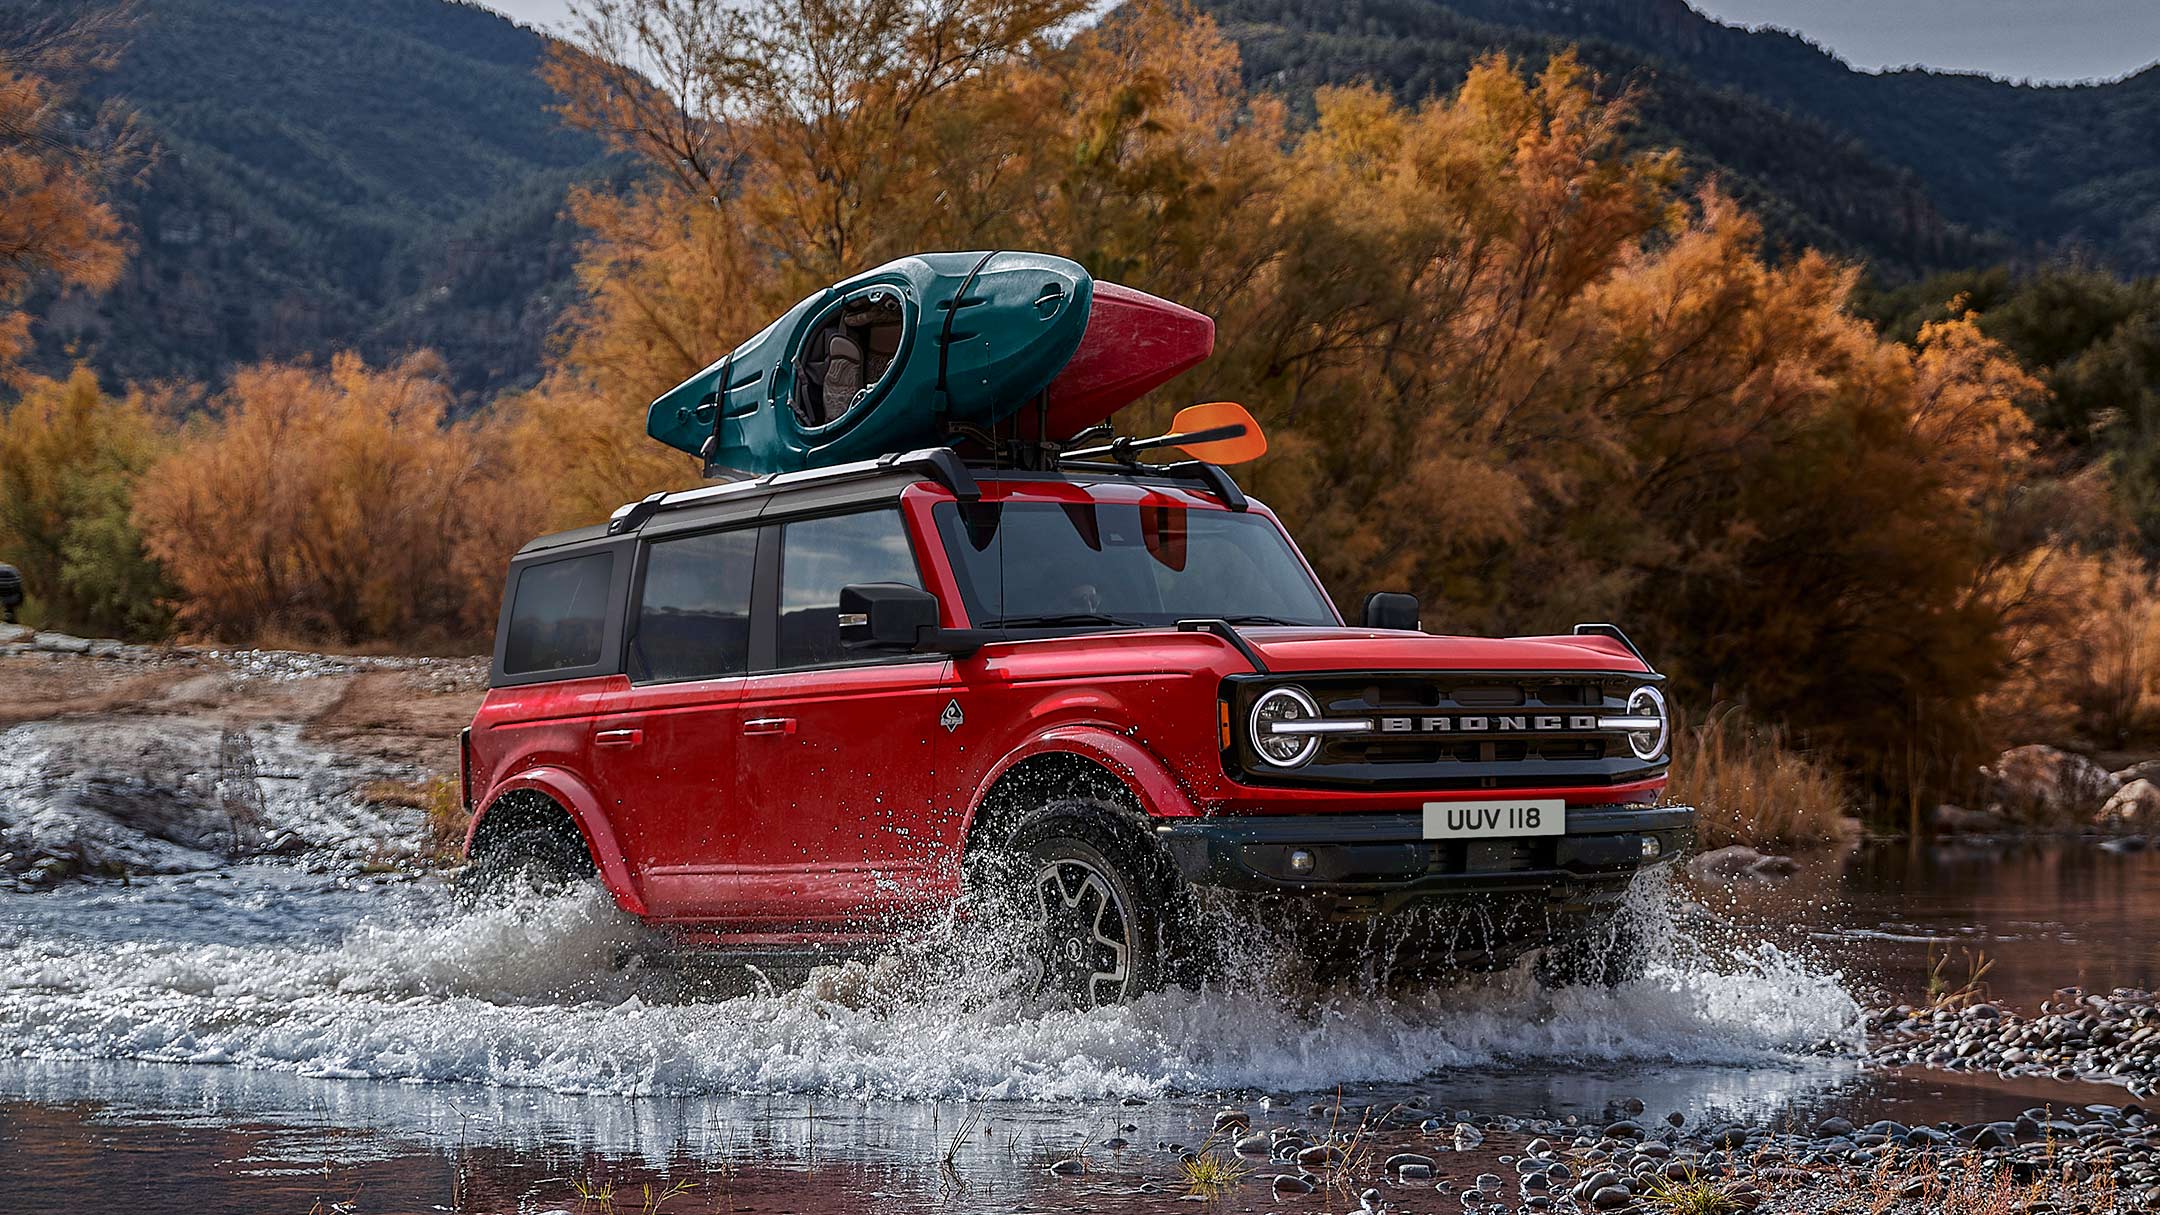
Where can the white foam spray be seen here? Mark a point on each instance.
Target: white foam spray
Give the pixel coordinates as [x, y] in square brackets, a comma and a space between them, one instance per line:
[530, 994]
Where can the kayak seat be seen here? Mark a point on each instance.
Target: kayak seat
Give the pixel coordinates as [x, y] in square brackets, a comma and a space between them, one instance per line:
[843, 372]
[846, 357]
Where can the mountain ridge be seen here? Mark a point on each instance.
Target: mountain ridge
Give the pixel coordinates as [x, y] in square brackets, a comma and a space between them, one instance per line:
[385, 175]
[2005, 169]
[378, 175]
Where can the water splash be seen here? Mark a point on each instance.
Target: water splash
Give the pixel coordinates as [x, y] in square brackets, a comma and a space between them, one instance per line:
[531, 994]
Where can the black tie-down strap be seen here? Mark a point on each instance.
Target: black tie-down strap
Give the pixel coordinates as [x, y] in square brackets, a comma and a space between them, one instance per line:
[711, 446]
[945, 334]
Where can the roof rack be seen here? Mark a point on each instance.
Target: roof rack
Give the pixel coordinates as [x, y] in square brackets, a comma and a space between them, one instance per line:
[1212, 476]
[941, 464]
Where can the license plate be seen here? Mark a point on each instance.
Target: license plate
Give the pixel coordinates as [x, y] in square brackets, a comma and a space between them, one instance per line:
[1493, 820]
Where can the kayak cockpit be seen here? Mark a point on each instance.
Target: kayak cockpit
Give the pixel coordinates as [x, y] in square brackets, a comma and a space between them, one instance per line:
[848, 352]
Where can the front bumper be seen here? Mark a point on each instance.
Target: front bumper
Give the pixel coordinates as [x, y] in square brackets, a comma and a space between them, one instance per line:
[1367, 864]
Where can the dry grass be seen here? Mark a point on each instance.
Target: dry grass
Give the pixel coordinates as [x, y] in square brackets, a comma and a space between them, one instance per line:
[1691, 1195]
[1211, 1173]
[1906, 1182]
[599, 1196]
[1753, 787]
[437, 799]
[1947, 988]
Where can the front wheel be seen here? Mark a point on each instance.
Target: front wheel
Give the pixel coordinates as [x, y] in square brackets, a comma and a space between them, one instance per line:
[1102, 918]
[1601, 955]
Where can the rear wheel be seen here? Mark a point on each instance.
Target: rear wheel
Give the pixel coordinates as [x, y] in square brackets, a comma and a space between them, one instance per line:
[1102, 917]
[539, 851]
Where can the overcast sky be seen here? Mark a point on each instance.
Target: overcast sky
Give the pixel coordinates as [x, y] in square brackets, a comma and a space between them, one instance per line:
[2019, 39]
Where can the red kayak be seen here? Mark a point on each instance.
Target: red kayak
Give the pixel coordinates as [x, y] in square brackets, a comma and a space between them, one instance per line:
[1134, 344]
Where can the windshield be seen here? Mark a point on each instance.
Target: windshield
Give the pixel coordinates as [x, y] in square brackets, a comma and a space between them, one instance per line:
[1083, 564]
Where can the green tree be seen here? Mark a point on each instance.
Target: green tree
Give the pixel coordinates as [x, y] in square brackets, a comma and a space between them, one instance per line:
[70, 458]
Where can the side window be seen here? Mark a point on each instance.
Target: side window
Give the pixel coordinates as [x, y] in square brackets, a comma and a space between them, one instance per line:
[558, 615]
[694, 614]
[817, 558]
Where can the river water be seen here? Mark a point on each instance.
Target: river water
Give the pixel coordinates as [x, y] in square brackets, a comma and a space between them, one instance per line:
[263, 1038]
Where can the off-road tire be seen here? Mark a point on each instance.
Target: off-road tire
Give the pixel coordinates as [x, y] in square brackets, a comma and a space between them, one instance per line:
[535, 855]
[1105, 916]
[1607, 954]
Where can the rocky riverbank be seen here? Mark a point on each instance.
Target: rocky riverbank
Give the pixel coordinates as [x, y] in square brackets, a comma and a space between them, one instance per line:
[2100, 1158]
[2111, 1037]
[2042, 789]
[120, 760]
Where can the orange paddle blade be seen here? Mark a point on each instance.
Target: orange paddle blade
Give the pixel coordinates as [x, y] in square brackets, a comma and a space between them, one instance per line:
[1245, 443]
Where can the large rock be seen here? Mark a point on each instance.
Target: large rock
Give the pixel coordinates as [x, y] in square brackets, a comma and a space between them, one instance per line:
[1957, 820]
[1723, 863]
[2040, 786]
[1737, 861]
[2144, 769]
[2134, 807]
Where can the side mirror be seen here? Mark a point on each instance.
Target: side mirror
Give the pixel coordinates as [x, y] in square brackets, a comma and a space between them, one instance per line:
[898, 617]
[1391, 610]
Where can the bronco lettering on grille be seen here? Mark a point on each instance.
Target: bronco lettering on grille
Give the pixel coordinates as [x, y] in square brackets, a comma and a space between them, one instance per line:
[1467, 723]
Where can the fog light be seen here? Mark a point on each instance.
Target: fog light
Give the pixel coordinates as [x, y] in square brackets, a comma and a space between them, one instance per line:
[1301, 861]
[1651, 849]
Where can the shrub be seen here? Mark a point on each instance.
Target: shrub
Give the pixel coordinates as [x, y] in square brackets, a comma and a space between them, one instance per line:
[332, 506]
[70, 458]
[2085, 649]
[1753, 787]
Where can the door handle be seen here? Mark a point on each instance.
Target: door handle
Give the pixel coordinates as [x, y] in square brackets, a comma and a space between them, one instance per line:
[769, 725]
[618, 738]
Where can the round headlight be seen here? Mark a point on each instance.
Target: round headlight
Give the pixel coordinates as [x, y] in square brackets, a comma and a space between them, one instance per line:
[1280, 706]
[1648, 743]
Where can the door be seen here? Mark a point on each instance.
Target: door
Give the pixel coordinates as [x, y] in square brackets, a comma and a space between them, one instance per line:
[841, 744]
[668, 760]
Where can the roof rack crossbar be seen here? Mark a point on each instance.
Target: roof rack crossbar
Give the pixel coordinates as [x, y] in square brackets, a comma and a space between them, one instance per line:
[1213, 476]
[941, 464]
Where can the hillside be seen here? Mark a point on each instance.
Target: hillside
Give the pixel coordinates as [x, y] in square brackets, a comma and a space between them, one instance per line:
[336, 173]
[386, 174]
[1912, 169]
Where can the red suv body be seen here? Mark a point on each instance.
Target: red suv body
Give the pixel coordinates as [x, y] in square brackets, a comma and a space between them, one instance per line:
[782, 716]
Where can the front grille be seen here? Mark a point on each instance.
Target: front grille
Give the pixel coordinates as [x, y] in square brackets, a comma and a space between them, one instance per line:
[1448, 730]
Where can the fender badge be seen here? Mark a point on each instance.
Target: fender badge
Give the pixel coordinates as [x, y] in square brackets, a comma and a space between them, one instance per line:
[952, 717]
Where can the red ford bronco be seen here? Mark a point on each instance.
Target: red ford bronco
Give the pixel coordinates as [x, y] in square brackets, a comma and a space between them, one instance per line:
[791, 717]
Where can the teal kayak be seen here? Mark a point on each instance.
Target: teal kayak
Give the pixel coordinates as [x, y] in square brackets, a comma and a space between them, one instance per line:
[882, 362]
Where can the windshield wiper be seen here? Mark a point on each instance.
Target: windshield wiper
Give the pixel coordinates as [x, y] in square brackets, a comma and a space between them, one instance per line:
[1252, 618]
[1054, 620]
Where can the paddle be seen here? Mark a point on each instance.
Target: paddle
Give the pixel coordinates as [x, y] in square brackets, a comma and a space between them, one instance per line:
[1219, 432]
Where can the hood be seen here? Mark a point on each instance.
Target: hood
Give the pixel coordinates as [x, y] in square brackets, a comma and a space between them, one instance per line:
[1362, 649]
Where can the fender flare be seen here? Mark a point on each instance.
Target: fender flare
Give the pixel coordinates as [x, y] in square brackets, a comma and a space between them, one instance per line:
[567, 791]
[1145, 776]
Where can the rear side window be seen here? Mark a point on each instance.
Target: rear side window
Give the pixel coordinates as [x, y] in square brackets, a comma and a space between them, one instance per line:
[558, 617]
[820, 556]
[694, 614]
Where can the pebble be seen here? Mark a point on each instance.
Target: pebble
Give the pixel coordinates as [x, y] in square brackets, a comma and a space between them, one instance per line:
[2111, 1037]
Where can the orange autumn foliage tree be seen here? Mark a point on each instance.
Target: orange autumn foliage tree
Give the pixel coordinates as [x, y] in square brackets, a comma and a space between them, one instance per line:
[332, 505]
[791, 144]
[1508, 363]
[55, 226]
